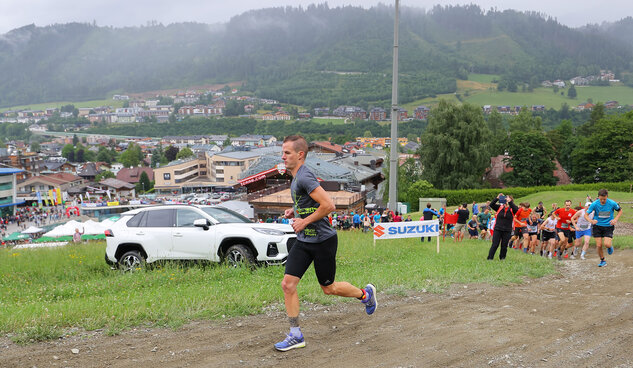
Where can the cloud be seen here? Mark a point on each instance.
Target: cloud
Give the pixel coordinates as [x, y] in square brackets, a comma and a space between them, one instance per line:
[120, 13]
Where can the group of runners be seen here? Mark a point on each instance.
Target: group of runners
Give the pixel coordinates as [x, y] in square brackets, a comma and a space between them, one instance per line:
[559, 233]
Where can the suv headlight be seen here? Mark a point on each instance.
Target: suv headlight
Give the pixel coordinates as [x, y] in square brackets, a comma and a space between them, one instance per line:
[267, 231]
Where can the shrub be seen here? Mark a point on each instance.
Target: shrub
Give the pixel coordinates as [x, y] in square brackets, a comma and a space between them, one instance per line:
[454, 197]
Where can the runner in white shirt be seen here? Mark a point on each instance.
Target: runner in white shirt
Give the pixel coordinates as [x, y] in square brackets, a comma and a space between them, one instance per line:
[548, 228]
[583, 229]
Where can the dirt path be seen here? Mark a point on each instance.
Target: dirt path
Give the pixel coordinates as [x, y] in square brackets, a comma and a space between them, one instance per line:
[581, 318]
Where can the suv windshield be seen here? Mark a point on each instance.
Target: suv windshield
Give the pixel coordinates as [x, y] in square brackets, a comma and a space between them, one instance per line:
[225, 216]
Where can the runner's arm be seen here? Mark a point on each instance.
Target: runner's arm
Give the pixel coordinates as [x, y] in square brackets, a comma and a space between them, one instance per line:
[574, 218]
[615, 220]
[592, 221]
[326, 205]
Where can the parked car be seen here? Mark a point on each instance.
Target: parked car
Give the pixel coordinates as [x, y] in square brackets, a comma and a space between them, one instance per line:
[194, 232]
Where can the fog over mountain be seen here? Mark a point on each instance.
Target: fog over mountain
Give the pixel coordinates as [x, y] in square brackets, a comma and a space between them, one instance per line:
[291, 54]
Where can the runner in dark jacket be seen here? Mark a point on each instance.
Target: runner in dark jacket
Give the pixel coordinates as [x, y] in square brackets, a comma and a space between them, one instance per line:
[505, 209]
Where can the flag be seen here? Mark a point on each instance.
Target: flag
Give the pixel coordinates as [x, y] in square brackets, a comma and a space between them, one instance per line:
[39, 199]
[108, 193]
[59, 196]
[50, 197]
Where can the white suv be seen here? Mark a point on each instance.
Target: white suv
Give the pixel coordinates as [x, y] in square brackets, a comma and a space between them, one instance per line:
[182, 232]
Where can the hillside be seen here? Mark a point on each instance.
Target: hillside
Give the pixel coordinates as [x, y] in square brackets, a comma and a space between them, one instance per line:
[308, 56]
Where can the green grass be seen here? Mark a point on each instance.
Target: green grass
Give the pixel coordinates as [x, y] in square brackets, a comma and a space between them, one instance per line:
[482, 78]
[546, 96]
[92, 103]
[328, 120]
[46, 292]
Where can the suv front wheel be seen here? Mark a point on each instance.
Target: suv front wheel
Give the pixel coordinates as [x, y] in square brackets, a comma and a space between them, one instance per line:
[131, 261]
[239, 254]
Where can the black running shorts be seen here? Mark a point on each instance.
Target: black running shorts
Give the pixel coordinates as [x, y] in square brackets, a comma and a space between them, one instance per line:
[602, 231]
[323, 254]
[547, 235]
[567, 234]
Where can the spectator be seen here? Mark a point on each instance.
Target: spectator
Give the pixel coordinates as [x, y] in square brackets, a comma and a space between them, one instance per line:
[472, 228]
[503, 225]
[427, 215]
[460, 226]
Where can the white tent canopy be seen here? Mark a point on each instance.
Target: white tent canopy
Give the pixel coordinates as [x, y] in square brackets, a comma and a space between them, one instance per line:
[65, 229]
[32, 230]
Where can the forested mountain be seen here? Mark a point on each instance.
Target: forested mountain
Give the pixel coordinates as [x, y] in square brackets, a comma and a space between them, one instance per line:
[311, 56]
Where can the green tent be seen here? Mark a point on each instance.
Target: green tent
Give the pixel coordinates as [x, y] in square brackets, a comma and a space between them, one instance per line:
[16, 236]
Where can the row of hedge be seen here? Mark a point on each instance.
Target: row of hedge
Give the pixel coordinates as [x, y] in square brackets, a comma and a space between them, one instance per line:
[455, 197]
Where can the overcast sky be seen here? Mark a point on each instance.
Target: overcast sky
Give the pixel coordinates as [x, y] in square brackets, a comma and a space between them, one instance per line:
[118, 13]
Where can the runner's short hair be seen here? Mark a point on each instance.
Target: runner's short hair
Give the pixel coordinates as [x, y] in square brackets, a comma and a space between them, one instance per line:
[603, 192]
[299, 143]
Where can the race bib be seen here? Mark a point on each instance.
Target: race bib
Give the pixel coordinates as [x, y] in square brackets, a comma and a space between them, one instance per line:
[604, 214]
[564, 226]
[584, 227]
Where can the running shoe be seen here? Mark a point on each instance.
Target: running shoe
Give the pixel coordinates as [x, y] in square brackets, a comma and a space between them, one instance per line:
[572, 256]
[549, 256]
[582, 255]
[291, 342]
[560, 256]
[610, 250]
[370, 299]
[602, 263]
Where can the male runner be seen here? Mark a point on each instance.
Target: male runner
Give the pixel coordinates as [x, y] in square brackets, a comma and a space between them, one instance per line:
[316, 242]
[564, 215]
[603, 222]
[583, 228]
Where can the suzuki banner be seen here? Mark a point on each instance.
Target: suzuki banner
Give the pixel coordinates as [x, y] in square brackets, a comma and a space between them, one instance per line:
[411, 229]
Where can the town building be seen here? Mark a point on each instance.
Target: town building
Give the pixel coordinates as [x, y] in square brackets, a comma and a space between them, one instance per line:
[421, 112]
[8, 190]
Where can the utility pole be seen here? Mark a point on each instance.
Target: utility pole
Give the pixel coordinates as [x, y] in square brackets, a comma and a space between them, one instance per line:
[393, 153]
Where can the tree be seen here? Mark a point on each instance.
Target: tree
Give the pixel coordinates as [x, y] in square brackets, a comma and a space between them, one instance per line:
[35, 147]
[571, 92]
[171, 152]
[604, 155]
[498, 135]
[597, 113]
[79, 155]
[531, 157]
[132, 156]
[158, 157]
[105, 174]
[106, 155]
[69, 152]
[525, 121]
[227, 142]
[455, 150]
[143, 184]
[184, 153]
[75, 139]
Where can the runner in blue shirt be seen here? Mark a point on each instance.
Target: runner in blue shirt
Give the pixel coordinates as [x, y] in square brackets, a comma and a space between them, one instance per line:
[603, 222]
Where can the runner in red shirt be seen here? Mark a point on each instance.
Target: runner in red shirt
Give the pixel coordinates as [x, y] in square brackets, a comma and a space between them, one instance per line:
[563, 227]
[520, 224]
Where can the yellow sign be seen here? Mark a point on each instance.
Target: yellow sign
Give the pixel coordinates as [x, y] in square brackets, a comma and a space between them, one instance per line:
[113, 203]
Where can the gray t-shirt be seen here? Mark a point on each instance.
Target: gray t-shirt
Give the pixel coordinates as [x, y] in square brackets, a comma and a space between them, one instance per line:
[302, 185]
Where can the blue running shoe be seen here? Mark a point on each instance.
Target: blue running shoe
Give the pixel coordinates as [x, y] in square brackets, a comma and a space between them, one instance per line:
[610, 250]
[370, 299]
[602, 263]
[291, 342]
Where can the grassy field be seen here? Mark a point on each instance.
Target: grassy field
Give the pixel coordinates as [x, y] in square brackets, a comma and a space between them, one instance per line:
[479, 90]
[46, 292]
[328, 120]
[92, 103]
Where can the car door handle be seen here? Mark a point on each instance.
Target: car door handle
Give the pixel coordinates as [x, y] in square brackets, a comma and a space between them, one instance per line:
[178, 235]
[140, 233]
